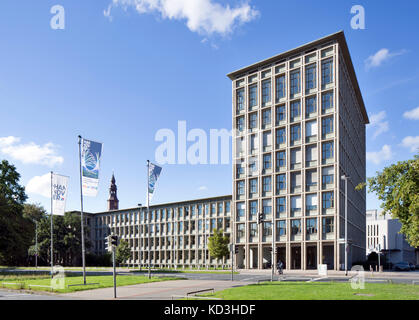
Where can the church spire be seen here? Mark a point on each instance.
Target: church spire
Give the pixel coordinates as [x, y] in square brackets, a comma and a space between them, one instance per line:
[113, 202]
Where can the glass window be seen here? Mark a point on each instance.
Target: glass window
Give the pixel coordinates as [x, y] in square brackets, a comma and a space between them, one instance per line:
[280, 114]
[240, 230]
[253, 120]
[280, 137]
[328, 225]
[327, 125]
[295, 133]
[311, 77]
[281, 183]
[280, 86]
[253, 185]
[281, 161]
[267, 207]
[311, 105]
[281, 228]
[228, 206]
[240, 123]
[267, 229]
[311, 226]
[295, 109]
[327, 151]
[266, 117]
[295, 227]
[253, 229]
[328, 200]
[266, 91]
[240, 188]
[327, 71]
[240, 209]
[327, 102]
[267, 161]
[280, 206]
[267, 184]
[253, 95]
[295, 86]
[253, 209]
[240, 99]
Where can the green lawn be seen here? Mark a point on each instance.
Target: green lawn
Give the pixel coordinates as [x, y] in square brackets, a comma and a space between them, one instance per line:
[23, 282]
[319, 291]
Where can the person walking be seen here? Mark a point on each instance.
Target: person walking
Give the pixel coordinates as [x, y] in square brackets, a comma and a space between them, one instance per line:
[279, 266]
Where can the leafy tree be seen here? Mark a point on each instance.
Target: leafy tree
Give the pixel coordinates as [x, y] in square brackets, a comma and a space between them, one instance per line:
[218, 245]
[398, 187]
[123, 252]
[16, 231]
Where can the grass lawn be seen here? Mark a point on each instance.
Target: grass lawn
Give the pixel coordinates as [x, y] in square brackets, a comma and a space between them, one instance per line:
[44, 280]
[319, 291]
[183, 271]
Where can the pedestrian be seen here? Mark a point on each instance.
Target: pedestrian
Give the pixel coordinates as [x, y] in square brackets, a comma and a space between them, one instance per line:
[279, 266]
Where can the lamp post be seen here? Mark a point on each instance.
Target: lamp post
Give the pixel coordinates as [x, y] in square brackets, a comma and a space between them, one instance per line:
[345, 178]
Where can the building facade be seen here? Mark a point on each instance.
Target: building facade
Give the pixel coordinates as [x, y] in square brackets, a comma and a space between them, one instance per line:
[383, 235]
[175, 235]
[298, 125]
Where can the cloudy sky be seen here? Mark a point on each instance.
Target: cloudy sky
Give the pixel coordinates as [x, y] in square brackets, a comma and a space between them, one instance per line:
[123, 69]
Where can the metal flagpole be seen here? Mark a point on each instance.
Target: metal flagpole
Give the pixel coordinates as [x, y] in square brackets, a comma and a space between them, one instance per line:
[36, 244]
[81, 214]
[148, 217]
[52, 232]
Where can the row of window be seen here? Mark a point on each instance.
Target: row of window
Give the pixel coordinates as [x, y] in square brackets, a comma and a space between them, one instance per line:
[295, 112]
[295, 81]
[295, 225]
[328, 205]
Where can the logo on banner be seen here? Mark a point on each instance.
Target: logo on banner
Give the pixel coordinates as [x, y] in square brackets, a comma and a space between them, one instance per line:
[91, 159]
[58, 192]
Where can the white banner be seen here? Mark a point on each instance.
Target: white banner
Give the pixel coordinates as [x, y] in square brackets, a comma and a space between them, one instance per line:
[59, 193]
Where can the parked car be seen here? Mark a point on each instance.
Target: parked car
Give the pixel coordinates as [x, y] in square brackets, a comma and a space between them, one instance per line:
[402, 266]
[412, 266]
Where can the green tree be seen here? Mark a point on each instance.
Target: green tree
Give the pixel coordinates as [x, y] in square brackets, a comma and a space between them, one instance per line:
[397, 186]
[218, 245]
[123, 252]
[16, 231]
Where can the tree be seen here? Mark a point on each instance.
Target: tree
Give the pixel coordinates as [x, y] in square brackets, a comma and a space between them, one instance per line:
[218, 245]
[16, 231]
[123, 252]
[398, 187]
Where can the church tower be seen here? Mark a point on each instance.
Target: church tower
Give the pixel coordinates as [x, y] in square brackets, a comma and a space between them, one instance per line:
[113, 202]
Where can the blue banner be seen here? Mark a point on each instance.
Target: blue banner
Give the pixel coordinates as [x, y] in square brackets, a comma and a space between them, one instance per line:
[153, 174]
[90, 160]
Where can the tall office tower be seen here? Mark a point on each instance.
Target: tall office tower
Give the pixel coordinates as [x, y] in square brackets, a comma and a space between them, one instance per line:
[299, 125]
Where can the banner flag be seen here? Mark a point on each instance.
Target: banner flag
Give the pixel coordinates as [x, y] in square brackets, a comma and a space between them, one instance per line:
[91, 153]
[153, 174]
[59, 193]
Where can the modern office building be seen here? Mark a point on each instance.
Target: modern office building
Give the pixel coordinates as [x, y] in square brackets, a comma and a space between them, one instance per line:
[299, 125]
[383, 235]
[176, 235]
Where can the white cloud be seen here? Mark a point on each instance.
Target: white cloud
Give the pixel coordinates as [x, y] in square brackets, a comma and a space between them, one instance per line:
[40, 185]
[203, 188]
[30, 153]
[380, 56]
[377, 122]
[384, 154]
[202, 16]
[412, 143]
[412, 114]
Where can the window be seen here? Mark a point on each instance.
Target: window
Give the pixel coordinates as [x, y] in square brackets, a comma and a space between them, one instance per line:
[295, 86]
[267, 161]
[281, 228]
[266, 117]
[280, 88]
[240, 123]
[253, 229]
[266, 92]
[311, 226]
[327, 177]
[280, 206]
[295, 133]
[253, 209]
[280, 137]
[327, 102]
[253, 120]
[327, 152]
[327, 72]
[311, 106]
[311, 131]
[267, 229]
[328, 200]
[281, 161]
[227, 206]
[253, 96]
[311, 202]
[311, 155]
[220, 207]
[267, 144]
[295, 227]
[296, 158]
[240, 100]
[240, 230]
[267, 207]
[327, 126]
[328, 225]
[239, 170]
[240, 188]
[295, 110]
[280, 114]
[240, 209]
[310, 77]
[253, 186]
[281, 183]
[296, 205]
[296, 182]
[267, 184]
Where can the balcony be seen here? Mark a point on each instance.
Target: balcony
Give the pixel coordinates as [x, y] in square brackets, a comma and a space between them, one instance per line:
[311, 186]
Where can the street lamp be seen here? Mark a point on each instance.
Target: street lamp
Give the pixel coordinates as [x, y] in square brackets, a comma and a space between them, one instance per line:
[345, 178]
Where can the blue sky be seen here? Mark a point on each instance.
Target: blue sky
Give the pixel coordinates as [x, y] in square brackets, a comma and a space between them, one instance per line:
[117, 75]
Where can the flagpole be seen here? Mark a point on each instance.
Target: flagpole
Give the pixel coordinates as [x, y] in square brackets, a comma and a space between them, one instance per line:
[81, 214]
[148, 216]
[52, 232]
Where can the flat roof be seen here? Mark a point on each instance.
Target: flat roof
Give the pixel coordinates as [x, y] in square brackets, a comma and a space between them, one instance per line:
[340, 38]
